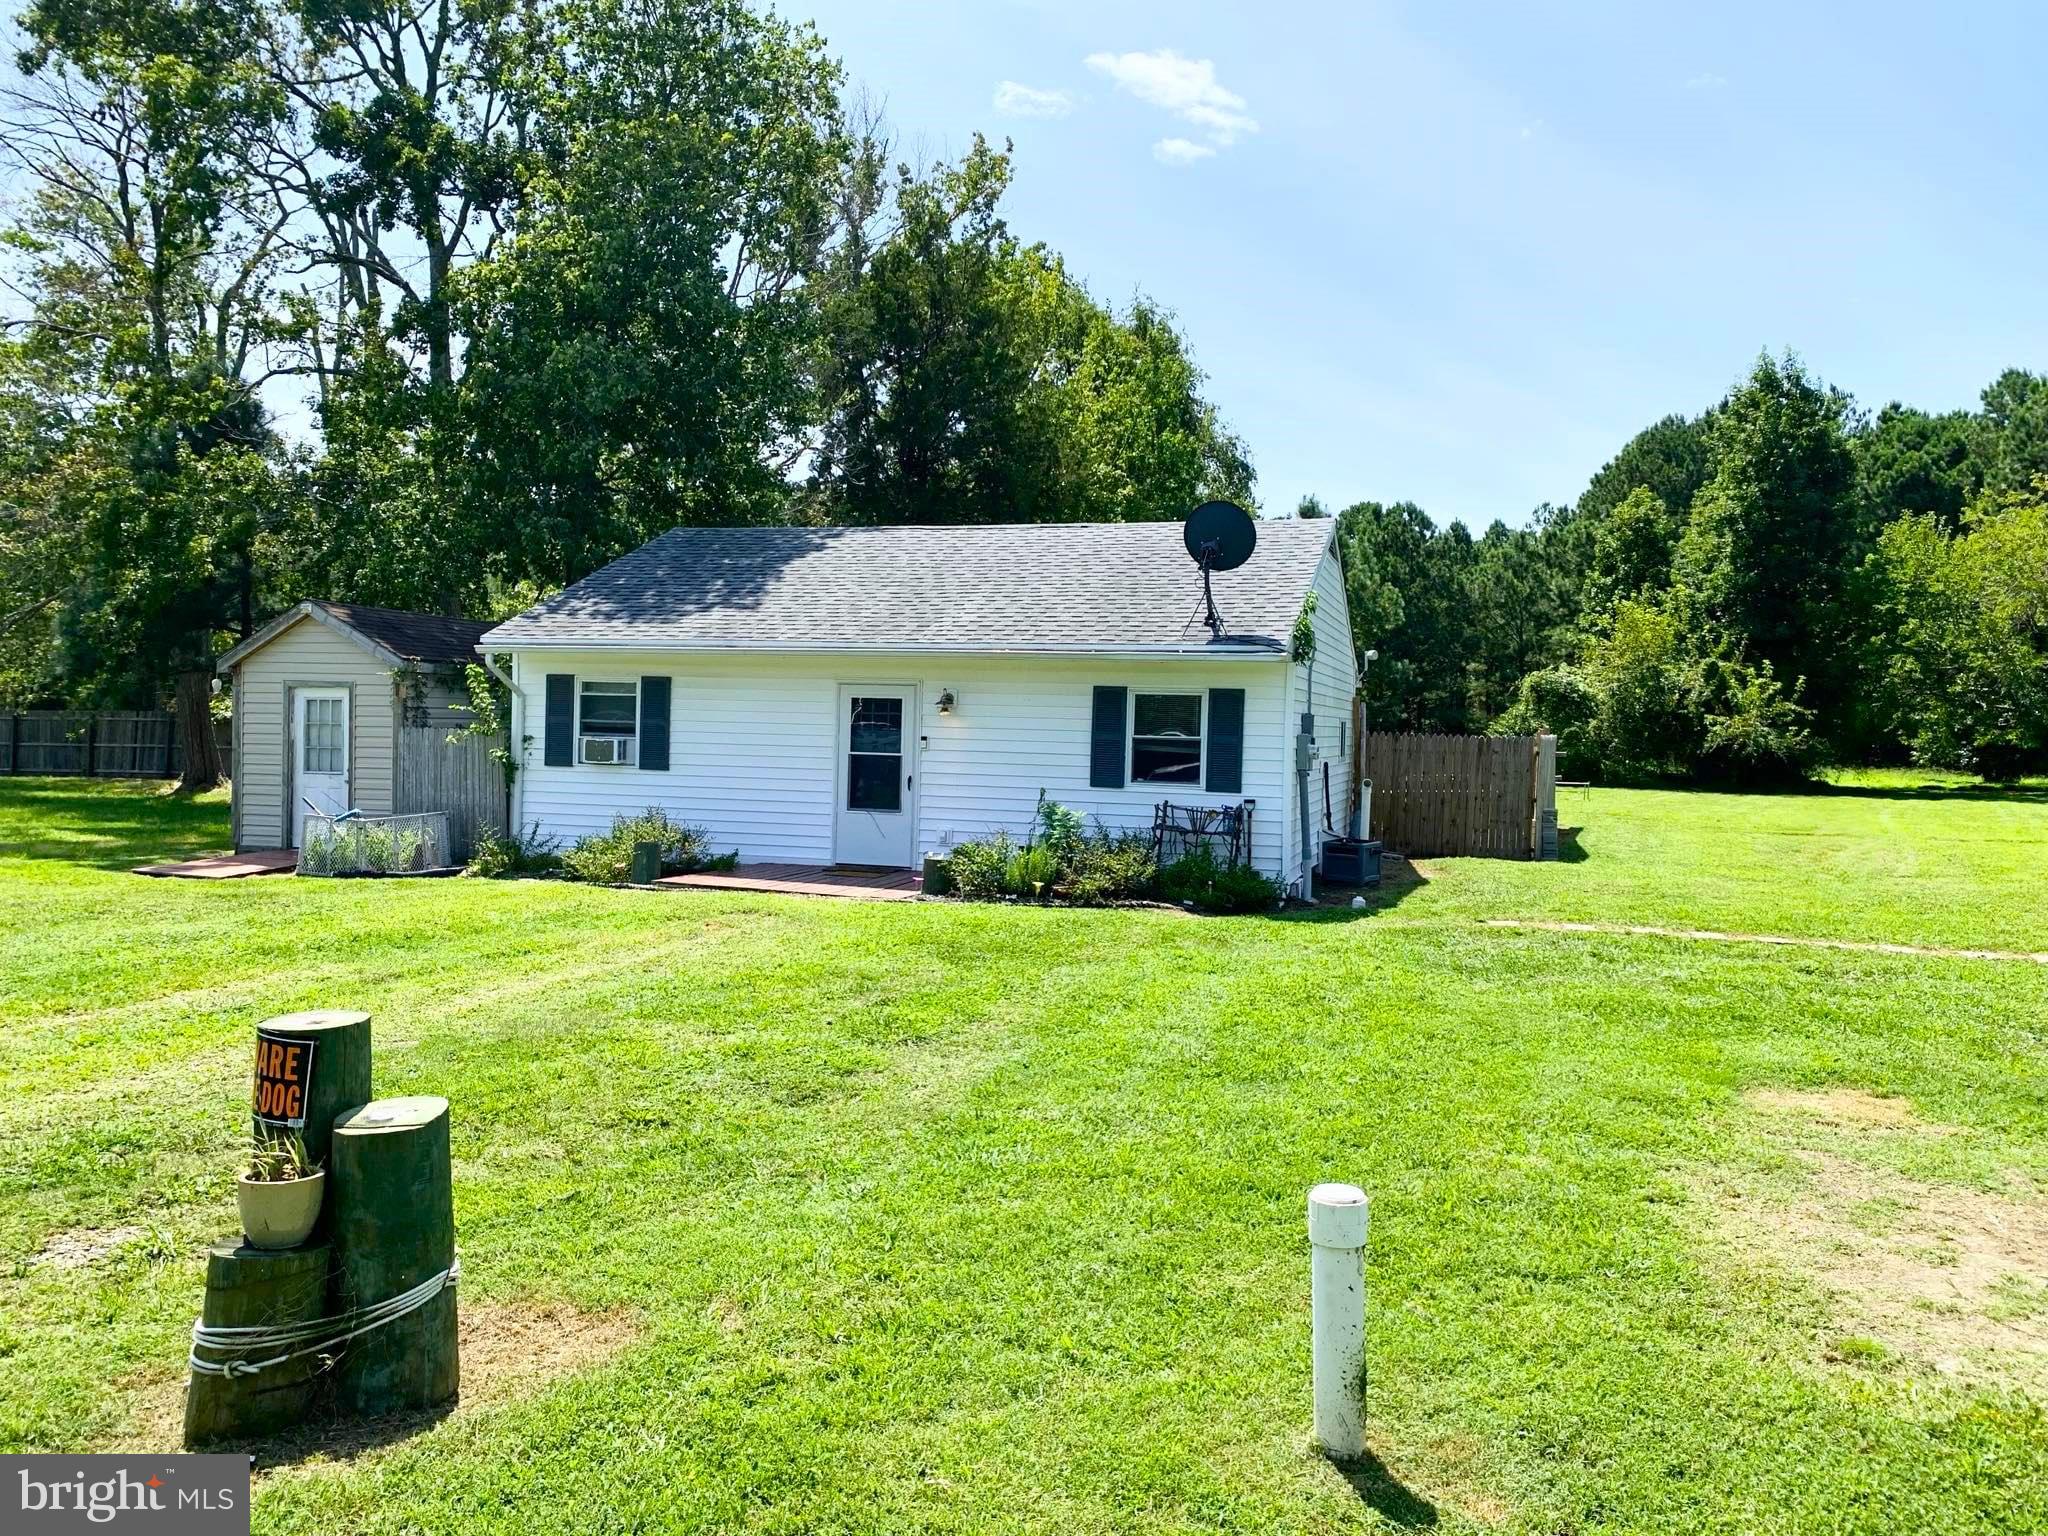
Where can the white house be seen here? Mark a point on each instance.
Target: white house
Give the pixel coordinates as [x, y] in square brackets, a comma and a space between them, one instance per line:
[863, 696]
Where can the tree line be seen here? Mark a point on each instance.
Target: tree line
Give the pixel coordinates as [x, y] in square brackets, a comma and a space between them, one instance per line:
[549, 277]
[442, 303]
[1781, 581]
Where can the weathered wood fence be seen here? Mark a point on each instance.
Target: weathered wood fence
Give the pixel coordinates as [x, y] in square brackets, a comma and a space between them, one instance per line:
[457, 777]
[1489, 796]
[105, 744]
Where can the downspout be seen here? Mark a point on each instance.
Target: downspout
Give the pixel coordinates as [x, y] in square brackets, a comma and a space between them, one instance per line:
[514, 719]
[1304, 744]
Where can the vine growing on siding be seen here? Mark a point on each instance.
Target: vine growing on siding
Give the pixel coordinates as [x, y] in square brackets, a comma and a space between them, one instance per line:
[487, 709]
[411, 685]
[1303, 648]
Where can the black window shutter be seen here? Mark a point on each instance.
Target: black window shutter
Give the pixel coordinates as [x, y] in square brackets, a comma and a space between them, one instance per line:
[654, 723]
[1226, 742]
[1106, 742]
[558, 748]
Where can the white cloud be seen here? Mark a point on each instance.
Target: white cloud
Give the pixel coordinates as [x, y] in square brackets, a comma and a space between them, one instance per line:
[1188, 88]
[1181, 151]
[1014, 100]
[1706, 82]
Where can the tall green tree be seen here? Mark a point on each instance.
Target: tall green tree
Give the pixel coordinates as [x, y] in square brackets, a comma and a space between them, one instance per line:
[965, 377]
[1404, 586]
[2012, 431]
[39, 553]
[1910, 461]
[1670, 458]
[1765, 555]
[1632, 549]
[1965, 619]
[638, 348]
[396, 158]
[148, 258]
[1522, 604]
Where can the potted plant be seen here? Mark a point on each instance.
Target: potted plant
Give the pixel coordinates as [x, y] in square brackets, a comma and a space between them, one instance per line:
[279, 1193]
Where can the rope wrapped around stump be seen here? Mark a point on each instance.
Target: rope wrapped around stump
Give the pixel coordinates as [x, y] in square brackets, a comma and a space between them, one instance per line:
[364, 1320]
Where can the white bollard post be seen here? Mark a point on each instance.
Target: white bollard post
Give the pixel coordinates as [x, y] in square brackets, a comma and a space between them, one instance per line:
[1336, 1233]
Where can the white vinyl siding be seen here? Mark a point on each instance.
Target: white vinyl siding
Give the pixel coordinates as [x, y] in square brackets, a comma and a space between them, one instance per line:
[1335, 682]
[308, 654]
[754, 745]
[752, 754]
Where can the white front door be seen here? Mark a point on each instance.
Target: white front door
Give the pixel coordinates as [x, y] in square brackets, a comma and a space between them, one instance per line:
[876, 822]
[319, 755]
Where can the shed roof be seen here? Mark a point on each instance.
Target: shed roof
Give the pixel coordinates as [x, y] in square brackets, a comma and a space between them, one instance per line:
[415, 636]
[1005, 587]
[396, 635]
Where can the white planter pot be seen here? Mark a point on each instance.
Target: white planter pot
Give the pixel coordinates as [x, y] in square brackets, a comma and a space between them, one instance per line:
[280, 1215]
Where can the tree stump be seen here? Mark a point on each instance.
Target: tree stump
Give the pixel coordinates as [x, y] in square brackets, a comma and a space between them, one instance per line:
[252, 1287]
[393, 1208]
[323, 1055]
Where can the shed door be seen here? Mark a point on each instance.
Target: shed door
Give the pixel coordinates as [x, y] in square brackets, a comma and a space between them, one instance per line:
[320, 727]
[876, 823]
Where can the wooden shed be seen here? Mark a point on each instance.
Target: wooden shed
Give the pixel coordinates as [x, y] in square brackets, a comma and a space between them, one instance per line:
[343, 707]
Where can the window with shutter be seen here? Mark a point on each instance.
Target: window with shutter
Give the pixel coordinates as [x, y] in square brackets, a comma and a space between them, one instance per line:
[1106, 739]
[1226, 742]
[558, 746]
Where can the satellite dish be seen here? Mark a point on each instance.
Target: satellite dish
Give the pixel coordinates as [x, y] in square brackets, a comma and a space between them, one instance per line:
[1220, 536]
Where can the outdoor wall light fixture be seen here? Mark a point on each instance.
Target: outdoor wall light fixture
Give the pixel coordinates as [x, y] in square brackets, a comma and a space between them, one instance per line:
[946, 701]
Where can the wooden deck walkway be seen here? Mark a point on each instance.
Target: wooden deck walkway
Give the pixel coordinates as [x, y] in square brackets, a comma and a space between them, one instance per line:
[807, 880]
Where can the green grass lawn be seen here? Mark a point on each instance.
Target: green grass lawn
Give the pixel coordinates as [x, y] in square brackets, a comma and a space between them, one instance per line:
[924, 1217]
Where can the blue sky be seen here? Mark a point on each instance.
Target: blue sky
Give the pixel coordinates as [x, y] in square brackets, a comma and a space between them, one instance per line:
[1459, 253]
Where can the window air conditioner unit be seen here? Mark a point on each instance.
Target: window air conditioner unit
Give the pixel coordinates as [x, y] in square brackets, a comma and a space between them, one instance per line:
[616, 750]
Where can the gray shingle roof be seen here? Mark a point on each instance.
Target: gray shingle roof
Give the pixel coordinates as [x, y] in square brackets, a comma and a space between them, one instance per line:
[1032, 586]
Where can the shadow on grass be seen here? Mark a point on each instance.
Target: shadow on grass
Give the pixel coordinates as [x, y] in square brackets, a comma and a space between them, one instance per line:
[111, 824]
[1399, 879]
[1569, 849]
[336, 1439]
[1386, 1495]
[2011, 794]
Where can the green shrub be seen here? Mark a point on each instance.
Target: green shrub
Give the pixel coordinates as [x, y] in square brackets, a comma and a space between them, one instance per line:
[606, 858]
[1198, 879]
[504, 855]
[319, 851]
[1094, 871]
[390, 850]
[1108, 867]
[1758, 737]
[1029, 872]
[979, 868]
[1558, 701]
[1060, 829]
[1067, 864]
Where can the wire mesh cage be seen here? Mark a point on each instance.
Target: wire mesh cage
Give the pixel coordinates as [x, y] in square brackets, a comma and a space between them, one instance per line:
[374, 845]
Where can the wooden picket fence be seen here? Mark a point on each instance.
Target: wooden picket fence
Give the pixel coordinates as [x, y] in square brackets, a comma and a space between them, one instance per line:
[105, 744]
[1483, 796]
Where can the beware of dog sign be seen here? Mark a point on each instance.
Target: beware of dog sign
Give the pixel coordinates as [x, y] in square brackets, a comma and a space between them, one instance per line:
[284, 1070]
